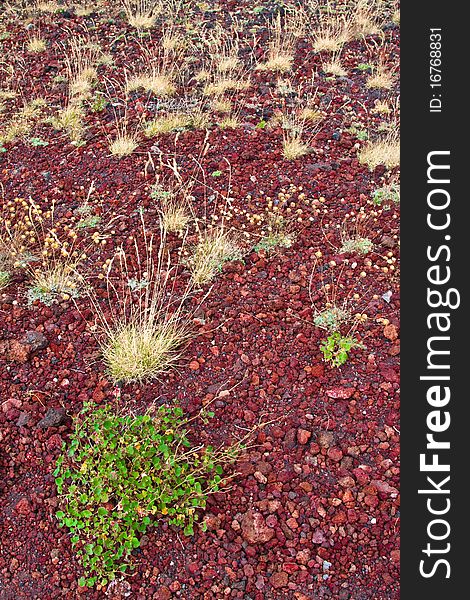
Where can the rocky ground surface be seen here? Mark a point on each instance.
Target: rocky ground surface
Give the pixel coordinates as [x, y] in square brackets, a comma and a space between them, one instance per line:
[314, 509]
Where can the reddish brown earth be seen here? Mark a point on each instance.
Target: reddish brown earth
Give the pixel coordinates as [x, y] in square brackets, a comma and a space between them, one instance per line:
[314, 511]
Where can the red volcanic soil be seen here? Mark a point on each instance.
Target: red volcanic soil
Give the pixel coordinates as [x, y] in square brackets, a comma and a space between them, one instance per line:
[314, 510]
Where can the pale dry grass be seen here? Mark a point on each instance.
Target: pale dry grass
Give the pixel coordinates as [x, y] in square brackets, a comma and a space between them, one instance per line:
[81, 58]
[36, 44]
[142, 14]
[366, 18]
[22, 122]
[330, 29]
[195, 118]
[216, 245]
[299, 123]
[383, 151]
[47, 7]
[158, 84]
[230, 121]
[223, 71]
[174, 206]
[334, 67]
[156, 72]
[123, 144]
[70, 119]
[145, 324]
[283, 35]
[83, 8]
[382, 78]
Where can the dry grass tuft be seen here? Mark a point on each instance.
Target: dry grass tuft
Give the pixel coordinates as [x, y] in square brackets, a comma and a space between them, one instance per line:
[223, 70]
[299, 123]
[334, 67]
[329, 28]
[381, 79]
[284, 33]
[216, 245]
[123, 144]
[36, 44]
[146, 323]
[22, 122]
[142, 14]
[156, 83]
[80, 59]
[71, 120]
[174, 207]
[383, 151]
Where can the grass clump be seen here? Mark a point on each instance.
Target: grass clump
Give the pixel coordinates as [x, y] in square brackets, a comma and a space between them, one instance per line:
[123, 144]
[167, 123]
[383, 151]
[70, 120]
[215, 247]
[381, 79]
[22, 122]
[145, 324]
[173, 207]
[158, 84]
[120, 475]
[142, 14]
[36, 45]
[283, 33]
[136, 351]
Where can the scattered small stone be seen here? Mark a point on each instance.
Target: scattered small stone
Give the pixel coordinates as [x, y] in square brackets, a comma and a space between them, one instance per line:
[53, 418]
[303, 436]
[254, 528]
[279, 579]
[340, 393]
[23, 419]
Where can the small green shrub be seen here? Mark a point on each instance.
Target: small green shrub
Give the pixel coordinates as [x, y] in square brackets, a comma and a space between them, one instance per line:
[357, 244]
[387, 195]
[331, 318]
[99, 103]
[4, 279]
[336, 348]
[274, 240]
[38, 142]
[89, 222]
[120, 475]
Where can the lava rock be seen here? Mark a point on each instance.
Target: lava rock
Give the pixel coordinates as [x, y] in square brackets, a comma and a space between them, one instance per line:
[254, 528]
[53, 418]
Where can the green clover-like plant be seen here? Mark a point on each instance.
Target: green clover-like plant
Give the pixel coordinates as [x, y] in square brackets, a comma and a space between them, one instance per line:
[336, 348]
[119, 475]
